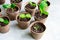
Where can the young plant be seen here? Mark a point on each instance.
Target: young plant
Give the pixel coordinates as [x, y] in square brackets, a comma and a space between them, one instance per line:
[32, 4]
[37, 27]
[6, 6]
[23, 16]
[5, 21]
[42, 7]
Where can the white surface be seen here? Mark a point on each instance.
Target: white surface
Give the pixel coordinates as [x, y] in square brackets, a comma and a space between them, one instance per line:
[52, 24]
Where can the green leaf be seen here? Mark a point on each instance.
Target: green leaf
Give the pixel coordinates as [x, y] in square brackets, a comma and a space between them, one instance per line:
[22, 16]
[28, 15]
[13, 5]
[1, 20]
[6, 6]
[45, 12]
[32, 4]
[36, 27]
[6, 21]
[44, 0]
[43, 5]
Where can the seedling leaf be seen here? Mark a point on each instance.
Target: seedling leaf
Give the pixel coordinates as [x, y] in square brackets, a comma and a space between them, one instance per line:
[28, 15]
[22, 16]
[6, 21]
[1, 20]
[6, 6]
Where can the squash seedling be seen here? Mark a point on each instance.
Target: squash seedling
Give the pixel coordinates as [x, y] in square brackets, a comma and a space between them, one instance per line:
[32, 4]
[42, 7]
[37, 27]
[5, 21]
[23, 16]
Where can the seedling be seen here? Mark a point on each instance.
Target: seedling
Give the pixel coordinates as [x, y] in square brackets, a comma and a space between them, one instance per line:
[32, 4]
[37, 27]
[12, 6]
[42, 7]
[5, 21]
[6, 6]
[23, 16]
[28, 16]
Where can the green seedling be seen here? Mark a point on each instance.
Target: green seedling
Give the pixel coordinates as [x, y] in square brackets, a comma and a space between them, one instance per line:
[42, 7]
[22, 16]
[5, 6]
[13, 5]
[37, 27]
[28, 16]
[5, 21]
[32, 4]
[1, 20]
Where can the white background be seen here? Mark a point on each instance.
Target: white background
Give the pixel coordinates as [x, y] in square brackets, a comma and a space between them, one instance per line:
[52, 24]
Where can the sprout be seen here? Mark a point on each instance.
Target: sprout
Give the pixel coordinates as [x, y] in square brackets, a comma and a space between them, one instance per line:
[25, 16]
[22, 16]
[9, 5]
[37, 27]
[5, 21]
[1, 20]
[32, 4]
[28, 16]
[6, 6]
[42, 7]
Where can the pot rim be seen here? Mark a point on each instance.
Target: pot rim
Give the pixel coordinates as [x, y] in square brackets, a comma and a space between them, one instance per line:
[33, 24]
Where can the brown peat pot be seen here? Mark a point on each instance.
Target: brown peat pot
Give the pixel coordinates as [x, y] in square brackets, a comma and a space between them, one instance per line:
[42, 18]
[37, 34]
[4, 27]
[48, 3]
[12, 14]
[2, 2]
[17, 2]
[23, 24]
[30, 9]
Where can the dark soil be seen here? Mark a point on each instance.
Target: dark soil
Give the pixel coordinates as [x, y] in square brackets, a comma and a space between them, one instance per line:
[29, 6]
[2, 24]
[0, 9]
[38, 15]
[42, 28]
[48, 3]
[25, 20]
[14, 1]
